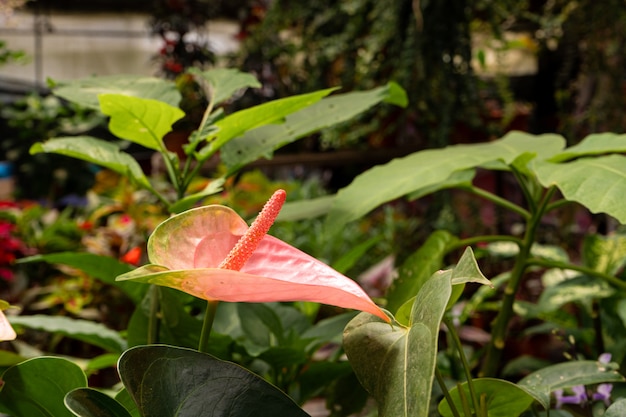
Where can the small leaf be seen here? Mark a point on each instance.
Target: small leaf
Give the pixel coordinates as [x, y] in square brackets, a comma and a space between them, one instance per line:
[606, 254]
[141, 121]
[96, 151]
[88, 402]
[467, 270]
[566, 375]
[170, 381]
[85, 91]
[226, 81]
[84, 330]
[596, 183]
[617, 409]
[36, 387]
[187, 202]
[502, 398]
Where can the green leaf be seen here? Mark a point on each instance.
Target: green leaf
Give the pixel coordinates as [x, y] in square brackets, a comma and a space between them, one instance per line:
[263, 141]
[185, 203]
[123, 397]
[429, 168]
[36, 387]
[237, 124]
[502, 398]
[606, 254]
[351, 257]
[88, 402]
[596, 183]
[226, 81]
[171, 381]
[396, 365]
[418, 268]
[84, 330]
[467, 270]
[104, 268]
[594, 144]
[260, 325]
[305, 209]
[140, 120]
[617, 409]
[576, 289]
[565, 375]
[85, 91]
[96, 151]
[457, 179]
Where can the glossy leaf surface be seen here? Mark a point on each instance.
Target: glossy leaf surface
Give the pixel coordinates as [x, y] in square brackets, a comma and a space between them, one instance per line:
[88, 402]
[171, 381]
[502, 398]
[396, 364]
[36, 387]
[187, 249]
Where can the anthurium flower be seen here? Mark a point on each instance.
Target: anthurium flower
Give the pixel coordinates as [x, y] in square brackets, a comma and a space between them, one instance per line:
[6, 330]
[210, 252]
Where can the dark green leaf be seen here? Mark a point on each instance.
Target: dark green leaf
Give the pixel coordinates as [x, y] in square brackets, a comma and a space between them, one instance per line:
[88, 402]
[176, 382]
[36, 387]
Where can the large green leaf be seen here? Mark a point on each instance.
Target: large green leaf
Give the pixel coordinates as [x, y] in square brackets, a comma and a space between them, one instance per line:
[262, 142]
[226, 81]
[139, 120]
[87, 331]
[85, 91]
[606, 254]
[237, 124]
[397, 364]
[597, 183]
[501, 398]
[96, 151]
[36, 387]
[566, 375]
[430, 168]
[88, 402]
[594, 144]
[305, 209]
[576, 289]
[418, 268]
[171, 381]
[617, 409]
[104, 268]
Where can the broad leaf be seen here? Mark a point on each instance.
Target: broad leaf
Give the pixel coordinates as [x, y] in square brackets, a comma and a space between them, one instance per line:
[139, 120]
[237, 124]
[566, 375]
[429, 168]
[578, 289]
[104, 268]
[225, 82]
[263, 141]
[418, 268]
[96, 151]
[36, 387]
[502, 398]
[397, 364]
[594, 144]
[617, 409]
[170, 381]
[305, 209]
[457, 179]
[606, 254]
[85, 91]
[185, 203]
[596, 183]
[186, 251]
[84, 330]
[88, 402]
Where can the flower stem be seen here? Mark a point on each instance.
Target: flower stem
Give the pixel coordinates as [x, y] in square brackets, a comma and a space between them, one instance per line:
[446, 393]
[154, 319]
[207, 325]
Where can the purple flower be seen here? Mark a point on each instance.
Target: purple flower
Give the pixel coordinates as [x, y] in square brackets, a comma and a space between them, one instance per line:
[579, 397]
[603, 393]
[605, 358]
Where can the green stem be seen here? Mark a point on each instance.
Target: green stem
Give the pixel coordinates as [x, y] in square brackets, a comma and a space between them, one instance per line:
[528, 195]
[498, 200]
[154, 318]
[207, 325]
[582, 269]
[466, 367]
[446, 393]
[501, 323]
[485, 239]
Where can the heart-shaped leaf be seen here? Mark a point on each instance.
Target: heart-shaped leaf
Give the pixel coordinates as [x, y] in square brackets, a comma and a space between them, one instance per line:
[171, 381]
[397, 364]
[88, 402]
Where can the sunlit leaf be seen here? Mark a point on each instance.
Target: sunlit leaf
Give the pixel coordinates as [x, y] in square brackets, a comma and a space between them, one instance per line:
[594, 144]
[226, 81]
